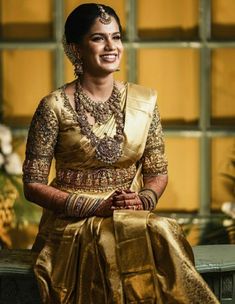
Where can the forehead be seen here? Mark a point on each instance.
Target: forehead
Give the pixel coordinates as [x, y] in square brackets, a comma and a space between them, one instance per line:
[99, 27]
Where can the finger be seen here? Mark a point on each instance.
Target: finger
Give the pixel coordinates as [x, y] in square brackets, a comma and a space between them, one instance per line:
[125, 196]
[135, 207]
[131, 207]
[118, 191]
[129, 202]
[118, 208]
[129, 191]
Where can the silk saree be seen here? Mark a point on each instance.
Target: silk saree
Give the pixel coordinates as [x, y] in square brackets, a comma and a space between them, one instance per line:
[131, 257]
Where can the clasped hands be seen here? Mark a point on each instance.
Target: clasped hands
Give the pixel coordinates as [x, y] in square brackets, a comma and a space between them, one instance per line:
[120, 199]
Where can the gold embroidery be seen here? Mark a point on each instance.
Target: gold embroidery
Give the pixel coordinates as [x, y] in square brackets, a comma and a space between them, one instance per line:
[99, 180]
[67, 105]
[154, 158]
[36, 170]
[40, 144]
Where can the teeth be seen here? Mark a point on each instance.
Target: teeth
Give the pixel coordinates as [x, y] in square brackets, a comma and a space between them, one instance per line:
[109, 56]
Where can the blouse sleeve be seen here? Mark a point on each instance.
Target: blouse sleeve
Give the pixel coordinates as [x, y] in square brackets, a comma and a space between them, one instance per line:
[154, 160]
[40, 145]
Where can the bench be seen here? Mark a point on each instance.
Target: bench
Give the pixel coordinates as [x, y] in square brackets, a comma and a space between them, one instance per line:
[17, 281]
[216, 263]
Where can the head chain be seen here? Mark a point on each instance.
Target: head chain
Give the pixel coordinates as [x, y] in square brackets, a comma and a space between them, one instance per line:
[104, 16]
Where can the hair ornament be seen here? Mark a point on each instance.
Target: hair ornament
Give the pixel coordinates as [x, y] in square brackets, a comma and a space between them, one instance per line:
[104, 17]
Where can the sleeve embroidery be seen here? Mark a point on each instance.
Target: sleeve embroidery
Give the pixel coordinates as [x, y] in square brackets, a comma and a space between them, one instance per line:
[41, 143]
[154, 159]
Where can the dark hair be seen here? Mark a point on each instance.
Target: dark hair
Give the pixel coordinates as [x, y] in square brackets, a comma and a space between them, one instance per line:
[82, 18]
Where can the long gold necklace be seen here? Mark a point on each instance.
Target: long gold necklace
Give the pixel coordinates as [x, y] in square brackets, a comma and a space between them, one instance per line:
[107, 149]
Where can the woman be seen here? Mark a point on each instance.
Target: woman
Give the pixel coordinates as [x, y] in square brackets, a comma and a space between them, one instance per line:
[98, 242]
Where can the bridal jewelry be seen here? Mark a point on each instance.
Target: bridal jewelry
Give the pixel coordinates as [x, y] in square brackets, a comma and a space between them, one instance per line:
[101, 111]
[73, 57]
[104, 17]
[107, 149]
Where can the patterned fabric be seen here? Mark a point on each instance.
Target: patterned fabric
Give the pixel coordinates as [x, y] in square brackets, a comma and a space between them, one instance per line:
[154, 159]
[40, 144]
[54, 132]
[132, 257]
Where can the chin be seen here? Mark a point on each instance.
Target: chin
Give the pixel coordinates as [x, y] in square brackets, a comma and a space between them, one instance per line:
[112, 69]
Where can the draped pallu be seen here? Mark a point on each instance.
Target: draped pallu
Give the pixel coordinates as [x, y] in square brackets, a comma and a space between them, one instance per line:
[131, 257]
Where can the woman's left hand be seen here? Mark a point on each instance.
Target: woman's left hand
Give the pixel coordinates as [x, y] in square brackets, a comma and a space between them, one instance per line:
[126, 200]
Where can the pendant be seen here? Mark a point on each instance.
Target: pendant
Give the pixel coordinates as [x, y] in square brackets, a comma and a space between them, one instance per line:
[108, 150]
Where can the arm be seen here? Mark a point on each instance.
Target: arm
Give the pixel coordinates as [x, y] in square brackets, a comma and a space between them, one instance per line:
[156, 183]
[40, 147]
[46, 196]
[154, 169]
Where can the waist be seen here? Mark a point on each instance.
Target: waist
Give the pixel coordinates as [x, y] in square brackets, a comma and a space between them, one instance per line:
[95, 180]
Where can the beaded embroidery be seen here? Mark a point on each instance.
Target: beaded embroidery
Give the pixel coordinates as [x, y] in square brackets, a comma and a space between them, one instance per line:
[107, 149]
[95, 180]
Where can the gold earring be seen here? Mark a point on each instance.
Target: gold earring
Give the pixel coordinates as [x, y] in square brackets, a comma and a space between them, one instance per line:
[78, 68]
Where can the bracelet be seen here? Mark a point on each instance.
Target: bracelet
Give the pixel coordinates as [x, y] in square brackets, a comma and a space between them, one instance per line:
[149, 198]
[72, 205]
[151, 190]
[79, 206]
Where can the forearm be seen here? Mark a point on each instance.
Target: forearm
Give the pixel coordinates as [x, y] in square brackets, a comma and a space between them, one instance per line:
[46, 196]
[72, 205]
[156, 183]
[153, 188]
[146, 199]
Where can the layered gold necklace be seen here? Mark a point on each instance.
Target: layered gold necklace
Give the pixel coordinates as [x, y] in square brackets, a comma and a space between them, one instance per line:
[107, 149]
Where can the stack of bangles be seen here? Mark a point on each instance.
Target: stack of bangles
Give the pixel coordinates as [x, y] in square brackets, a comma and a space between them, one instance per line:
[148, 198]
[80, 206]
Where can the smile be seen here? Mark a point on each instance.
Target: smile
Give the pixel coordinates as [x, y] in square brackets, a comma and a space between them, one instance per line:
[110, 57]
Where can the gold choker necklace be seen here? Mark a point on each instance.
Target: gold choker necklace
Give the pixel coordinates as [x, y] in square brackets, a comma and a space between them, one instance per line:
[107, 149]
[99, 110]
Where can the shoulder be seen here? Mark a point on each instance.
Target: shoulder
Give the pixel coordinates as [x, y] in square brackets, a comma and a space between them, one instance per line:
[52, 102]
[53, 99]
[141, 97]
[142, 91]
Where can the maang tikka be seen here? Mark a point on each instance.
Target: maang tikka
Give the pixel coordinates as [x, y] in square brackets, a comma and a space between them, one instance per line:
[104, 16]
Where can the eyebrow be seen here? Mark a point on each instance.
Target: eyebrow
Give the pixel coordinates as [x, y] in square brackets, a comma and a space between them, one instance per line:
[104, 34]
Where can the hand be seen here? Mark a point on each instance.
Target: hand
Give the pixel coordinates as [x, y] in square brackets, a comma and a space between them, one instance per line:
[105, 208]
[126, 200]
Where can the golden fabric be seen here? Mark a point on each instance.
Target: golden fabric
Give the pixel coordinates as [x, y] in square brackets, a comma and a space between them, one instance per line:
[55, 131]
[132, 257]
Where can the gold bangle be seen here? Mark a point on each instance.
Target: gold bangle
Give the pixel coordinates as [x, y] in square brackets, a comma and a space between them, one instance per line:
[151, 190]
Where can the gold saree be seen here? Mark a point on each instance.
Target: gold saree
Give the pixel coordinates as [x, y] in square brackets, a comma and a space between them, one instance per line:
[131, 257]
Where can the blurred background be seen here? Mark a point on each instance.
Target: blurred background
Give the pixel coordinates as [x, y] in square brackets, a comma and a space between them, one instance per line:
[185, 49]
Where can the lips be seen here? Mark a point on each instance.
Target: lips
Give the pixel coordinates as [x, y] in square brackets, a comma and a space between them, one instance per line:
[109, 57]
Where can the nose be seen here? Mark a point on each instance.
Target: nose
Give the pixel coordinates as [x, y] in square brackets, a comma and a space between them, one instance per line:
[109, 46]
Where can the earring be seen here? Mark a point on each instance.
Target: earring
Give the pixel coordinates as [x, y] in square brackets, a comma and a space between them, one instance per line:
[78, 69]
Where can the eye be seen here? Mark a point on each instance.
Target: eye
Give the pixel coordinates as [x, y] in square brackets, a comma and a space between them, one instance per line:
[97, 38]
[117, 37]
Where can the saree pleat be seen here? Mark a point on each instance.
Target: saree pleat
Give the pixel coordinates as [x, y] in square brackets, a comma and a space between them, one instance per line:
[131, 257]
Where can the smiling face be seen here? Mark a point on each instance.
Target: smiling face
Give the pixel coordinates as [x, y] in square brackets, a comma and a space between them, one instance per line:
[101, 49]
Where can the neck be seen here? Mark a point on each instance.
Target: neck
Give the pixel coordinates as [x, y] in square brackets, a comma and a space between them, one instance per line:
[98, 88]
